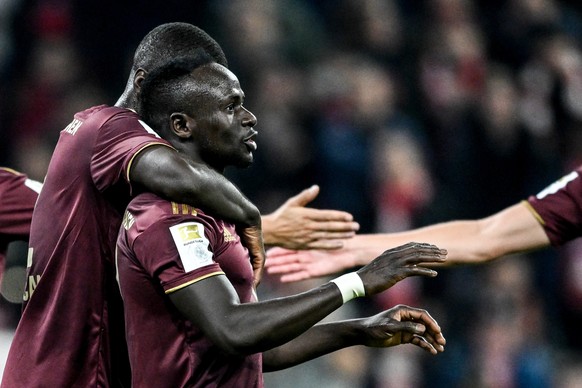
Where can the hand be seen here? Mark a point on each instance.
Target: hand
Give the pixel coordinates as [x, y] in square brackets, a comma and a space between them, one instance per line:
[252, 238]
[398, 263]
[295, 226]
[402, 325]
[294, 266]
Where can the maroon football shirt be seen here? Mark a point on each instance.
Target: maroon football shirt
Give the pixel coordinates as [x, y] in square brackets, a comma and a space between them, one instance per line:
[67, 334]
[559, 208]
[162, 247]
[18, 195]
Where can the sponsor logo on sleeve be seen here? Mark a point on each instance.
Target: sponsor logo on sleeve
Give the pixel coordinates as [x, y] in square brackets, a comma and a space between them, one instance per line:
[192, 245]
[228, 237]
[128, 220]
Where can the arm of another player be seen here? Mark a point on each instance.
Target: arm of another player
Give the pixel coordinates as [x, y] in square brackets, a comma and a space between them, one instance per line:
[161, 170]
[213, 305]
[396, 326]
[514, 229]
[294, 226]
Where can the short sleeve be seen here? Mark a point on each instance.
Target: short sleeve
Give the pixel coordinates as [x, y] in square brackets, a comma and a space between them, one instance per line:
[559, 208]
[177, 254]
[119, 140]
[18, 196]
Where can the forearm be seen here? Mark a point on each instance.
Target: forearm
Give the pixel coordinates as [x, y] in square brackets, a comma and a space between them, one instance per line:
[509, 231]
[164, 172]
[252, 327]
[320, 340]
[269, 324]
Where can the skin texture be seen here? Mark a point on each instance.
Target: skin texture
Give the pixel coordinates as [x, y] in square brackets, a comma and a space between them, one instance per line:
[219, 131]
[164, 172]
[512, 230]
[294, 226]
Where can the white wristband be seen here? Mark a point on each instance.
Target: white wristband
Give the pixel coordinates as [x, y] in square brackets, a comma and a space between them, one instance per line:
[350, 286]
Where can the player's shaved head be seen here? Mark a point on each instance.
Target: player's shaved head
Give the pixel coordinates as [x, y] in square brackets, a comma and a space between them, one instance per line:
[174, 40]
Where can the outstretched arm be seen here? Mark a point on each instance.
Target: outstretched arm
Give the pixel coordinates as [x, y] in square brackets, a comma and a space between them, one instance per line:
[161, 170]
[396, 326]
[294, 226]
[512, 230]
[212, 303]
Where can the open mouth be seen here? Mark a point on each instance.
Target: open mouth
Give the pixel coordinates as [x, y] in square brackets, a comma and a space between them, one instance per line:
[250, 141]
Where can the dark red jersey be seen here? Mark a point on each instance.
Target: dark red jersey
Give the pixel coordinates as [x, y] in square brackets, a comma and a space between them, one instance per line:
[162, 247]
[18, 195]
[559, 208]
[67, 333]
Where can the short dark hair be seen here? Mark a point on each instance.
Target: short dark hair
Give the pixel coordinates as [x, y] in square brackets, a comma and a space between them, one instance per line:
[165, 89]
[174, 40]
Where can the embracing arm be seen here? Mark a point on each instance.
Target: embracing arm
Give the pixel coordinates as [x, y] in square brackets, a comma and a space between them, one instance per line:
[162, 171]
[212, 304]
[512, 230]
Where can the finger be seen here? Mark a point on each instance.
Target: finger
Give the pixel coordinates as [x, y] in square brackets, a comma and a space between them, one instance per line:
[427, 256]
[283, 268]
[422, 316]
[327, 245]
[321, 215]
[421, 271]
[294, 277]
[304, 197]
[421, 342]
[282, 253]
[434, 341]
[405, 326]
[329, 235]
[333, 226]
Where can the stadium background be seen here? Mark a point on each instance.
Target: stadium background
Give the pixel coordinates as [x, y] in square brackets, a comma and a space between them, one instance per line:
[404, 112]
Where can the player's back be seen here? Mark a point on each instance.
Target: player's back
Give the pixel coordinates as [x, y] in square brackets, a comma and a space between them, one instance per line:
[64, 336]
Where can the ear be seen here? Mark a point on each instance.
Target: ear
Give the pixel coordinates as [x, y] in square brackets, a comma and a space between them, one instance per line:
[138, 78]
[182, 125]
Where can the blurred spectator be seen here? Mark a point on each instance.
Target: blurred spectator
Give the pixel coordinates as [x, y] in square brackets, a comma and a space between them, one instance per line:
[404, 112]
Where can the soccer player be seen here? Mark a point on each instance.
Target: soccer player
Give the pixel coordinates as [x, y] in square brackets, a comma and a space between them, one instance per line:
[551, 218]
[18, 195]
[71, 329]
[192, 317]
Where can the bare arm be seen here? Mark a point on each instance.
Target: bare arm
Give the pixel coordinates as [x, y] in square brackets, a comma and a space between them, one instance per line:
[512, 230]
[396, 326]
[212, 304]
[294, 226]
[161, 170]
[164, 172]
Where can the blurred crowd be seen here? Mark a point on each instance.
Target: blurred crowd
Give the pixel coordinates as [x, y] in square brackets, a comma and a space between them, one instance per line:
[405, 113]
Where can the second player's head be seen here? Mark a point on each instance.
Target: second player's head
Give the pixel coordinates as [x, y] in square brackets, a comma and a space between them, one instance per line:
[197, 105]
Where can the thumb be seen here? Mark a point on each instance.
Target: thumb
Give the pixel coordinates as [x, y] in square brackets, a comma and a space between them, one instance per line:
[304, 197]
[406, 326]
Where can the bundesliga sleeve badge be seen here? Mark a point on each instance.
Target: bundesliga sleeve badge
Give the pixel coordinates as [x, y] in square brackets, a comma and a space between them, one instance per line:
[192, 245]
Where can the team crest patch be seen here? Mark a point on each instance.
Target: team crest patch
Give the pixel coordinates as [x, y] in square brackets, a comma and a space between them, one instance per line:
[192, 245]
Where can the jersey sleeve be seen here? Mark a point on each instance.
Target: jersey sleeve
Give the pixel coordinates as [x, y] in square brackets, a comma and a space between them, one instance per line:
[559, 208]
[120, 139]
[18, 196]
[178, 254]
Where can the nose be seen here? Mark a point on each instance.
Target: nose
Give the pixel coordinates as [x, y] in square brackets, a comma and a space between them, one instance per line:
[249, 119]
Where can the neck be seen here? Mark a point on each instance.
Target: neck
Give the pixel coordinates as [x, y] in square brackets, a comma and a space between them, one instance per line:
[189, 152]
[127, 100]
